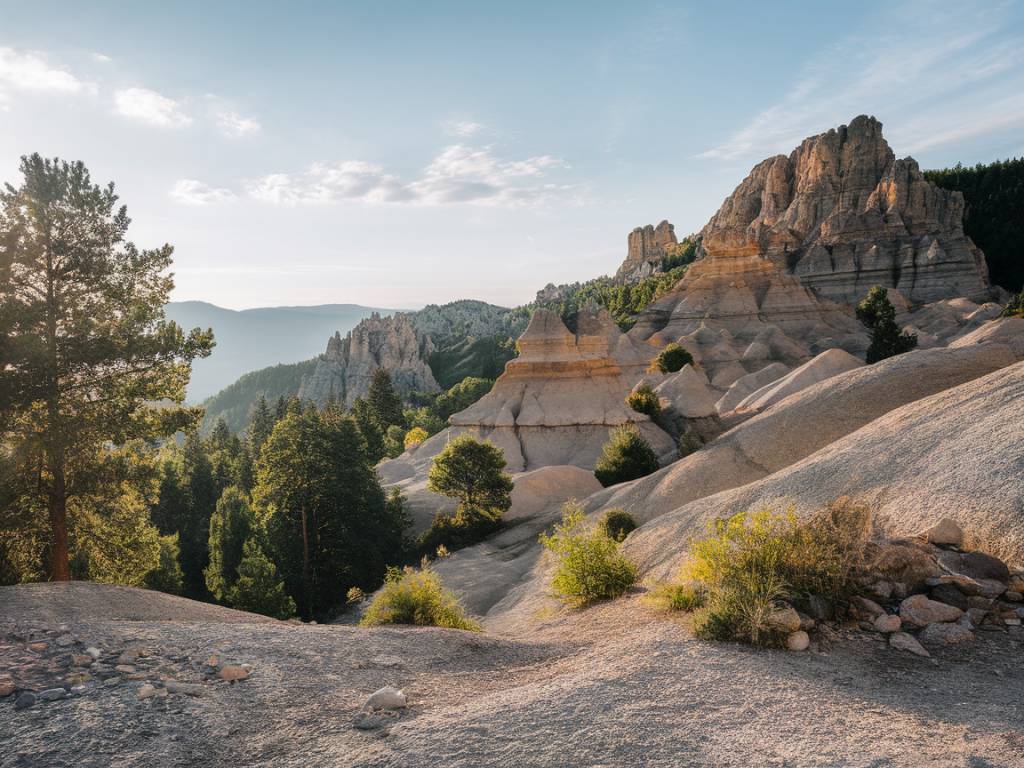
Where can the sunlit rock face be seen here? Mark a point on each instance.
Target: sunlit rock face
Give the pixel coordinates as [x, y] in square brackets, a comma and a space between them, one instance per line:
[646, 248]
[345, 370]
[842, 214]
[557, 401]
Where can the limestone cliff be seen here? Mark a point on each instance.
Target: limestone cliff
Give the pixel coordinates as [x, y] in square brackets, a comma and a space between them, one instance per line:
[843, 214]
[346, 368]
[646, 247]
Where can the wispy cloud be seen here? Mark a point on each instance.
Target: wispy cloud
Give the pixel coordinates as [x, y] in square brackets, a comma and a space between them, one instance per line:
[194, 192]
[459, 174]
[232, 125]
[102, 58]
[150, 107]
[32, 71]
[906, 79]
[463, 129]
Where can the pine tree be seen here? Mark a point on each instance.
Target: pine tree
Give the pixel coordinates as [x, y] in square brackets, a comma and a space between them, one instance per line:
[384, 402]
[260, 425]
[878, 314]
[231, 525]
[258, 589]
[86, 348]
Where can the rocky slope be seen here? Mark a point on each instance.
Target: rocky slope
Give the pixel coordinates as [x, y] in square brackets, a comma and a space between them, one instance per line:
[843, 214]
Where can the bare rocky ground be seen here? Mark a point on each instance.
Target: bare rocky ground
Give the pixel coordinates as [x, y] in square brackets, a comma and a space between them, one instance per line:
[615, 685]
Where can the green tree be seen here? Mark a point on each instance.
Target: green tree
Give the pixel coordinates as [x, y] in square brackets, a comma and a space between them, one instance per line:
[260, 426]
[258, 589]
[878, 314]
[369, 428]
[86, 349]
[231, 525]
[329, 524]
[644, 400]
[672, 358]
[384, 402]
[167, 576]
[472, 472]
[626, 456]
[460, 397]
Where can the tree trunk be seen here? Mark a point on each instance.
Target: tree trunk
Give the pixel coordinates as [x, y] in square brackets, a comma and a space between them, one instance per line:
[58, 507]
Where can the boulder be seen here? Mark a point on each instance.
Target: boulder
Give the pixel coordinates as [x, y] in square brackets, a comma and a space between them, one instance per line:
[942, 634]
[887, 623]
[386, 698]
[950, 595]
[920, 611]
[976, 565]
[687, 393]
[784, 620]
[798, 641]
[945, 532]
[865, 608]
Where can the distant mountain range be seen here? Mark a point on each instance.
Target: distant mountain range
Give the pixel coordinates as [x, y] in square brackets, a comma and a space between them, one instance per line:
[251, 339]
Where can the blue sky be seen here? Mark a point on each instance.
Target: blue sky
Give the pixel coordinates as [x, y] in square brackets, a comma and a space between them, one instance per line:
[396, 154]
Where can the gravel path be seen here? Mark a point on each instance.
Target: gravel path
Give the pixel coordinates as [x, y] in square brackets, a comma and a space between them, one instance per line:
[616, 685]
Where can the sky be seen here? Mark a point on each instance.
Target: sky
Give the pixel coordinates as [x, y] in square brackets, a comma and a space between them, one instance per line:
[397, 154]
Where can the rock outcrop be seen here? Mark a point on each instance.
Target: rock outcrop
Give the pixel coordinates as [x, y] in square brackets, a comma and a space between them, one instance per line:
[557, 401]
[646, 247]
[344, 372]
[843, 214]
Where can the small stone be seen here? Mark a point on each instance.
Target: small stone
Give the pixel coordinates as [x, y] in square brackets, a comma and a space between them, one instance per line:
[6, 688]
[945, 634]
[37, 646]
[232, 673]
[213, 660]
[125, 669]
[784, 620]
[53, 694]
[946, 532]
[881, 590]
[65, 640]
[920, 611]
[389, 698]
[77, 690]
[146, 691]
[1013, 596]
[81, 660]
[887, 623]
[1016, 582]
[110, 682]
[79, 678]
[798, 641]
[865, 608]
[25, 700]
[94, 652]
[901, 641]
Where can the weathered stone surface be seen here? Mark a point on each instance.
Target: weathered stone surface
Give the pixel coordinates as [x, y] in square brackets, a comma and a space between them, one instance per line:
[829, 363]
[346, 369]
[688, 393]
[747, 385]
[921, 611]
[646, 247]
[843, 214]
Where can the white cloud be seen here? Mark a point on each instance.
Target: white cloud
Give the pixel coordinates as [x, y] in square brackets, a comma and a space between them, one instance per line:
[464, 129]
[150, 107]
[102, 58]
[30, 71]
[193, 192]
[908, 79]
[459, 174]
[236, 126]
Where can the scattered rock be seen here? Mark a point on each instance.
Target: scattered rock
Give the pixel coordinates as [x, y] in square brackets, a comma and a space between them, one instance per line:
[213, 660]
[25, 700]
[946, 532]
[976, 565]
[367, 720]
[945, 634]
[1016, 583]
[865, 608]
[65, 640]
[94, 652]
[81, 660]
[887, 623]
[921, 611]
[784, 620]
[1013, 596]
[232, 673]
[905, 561]
[798, 641]
[53, 694]
[902, 641]
[38, 647]
[110, 682]
[392, 698]
[881, 590]
[6, 688]
[146, 691]
[189, 689]
[125, 669]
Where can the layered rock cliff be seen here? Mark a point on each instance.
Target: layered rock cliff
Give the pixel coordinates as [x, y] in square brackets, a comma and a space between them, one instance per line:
[346, 368]
[646, 248]
[843, 214]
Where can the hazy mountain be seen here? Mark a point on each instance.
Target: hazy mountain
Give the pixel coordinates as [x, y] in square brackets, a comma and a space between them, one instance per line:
[256, 338]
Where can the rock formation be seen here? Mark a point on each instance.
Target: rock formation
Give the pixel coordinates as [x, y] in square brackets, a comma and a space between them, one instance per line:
[346, 369]
[557, 401]
[646, 247]
[843, 214]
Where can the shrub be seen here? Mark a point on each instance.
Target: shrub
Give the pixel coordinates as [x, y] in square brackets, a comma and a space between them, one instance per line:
[416, 597]
[468, 526]
[626, 456]
[590, 567]
[258, 588]
[1015, 307]
[673, 596]
[752, 562]
[617, 524]
[688, 443]
[644, 400]
[877, 313]
[672, 358]
[414, 437]
[472, 472]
